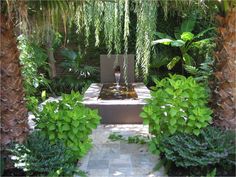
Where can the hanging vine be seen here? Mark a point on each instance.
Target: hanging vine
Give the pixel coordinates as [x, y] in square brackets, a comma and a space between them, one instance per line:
[126, 35]
[146, 26]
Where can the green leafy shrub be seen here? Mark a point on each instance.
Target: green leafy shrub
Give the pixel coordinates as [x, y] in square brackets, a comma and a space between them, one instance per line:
[69, 121]
[178, 104]
[32, 103]
[37, 155]
[213, 148]
[33, 59]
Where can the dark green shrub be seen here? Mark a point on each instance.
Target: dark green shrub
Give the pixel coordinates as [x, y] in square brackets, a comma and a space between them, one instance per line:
[178, 104]
[69, 121]
[212, 148]
[77, 74]
[37, 155]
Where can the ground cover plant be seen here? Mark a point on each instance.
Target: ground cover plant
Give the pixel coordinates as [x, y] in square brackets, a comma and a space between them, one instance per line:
[178, 104]
[37, 156]
[69, 121]
[198, 155]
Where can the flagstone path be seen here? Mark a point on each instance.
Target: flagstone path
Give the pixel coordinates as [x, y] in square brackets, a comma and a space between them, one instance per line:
[118, 158]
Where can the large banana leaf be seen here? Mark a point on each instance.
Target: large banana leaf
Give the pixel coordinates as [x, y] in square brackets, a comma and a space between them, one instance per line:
[187, 25]
[203, 32]
[177, 43]
[162, 41]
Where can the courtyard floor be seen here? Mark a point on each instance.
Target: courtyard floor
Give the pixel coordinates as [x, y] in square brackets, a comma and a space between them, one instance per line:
[118, 158]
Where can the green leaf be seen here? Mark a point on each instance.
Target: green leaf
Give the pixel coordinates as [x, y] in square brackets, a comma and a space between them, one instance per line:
[172, 129]
[187, 36]
[187, 59]
[196, 132]
[143, 115]
[203, 32]
[191, 117]
[173, 62]
[162, 35]
[162, 41]
[51, 127]
[145, 121]
[177, 43]
[52, 136]
[188, 25]
[65, 127]
[173, 112]
[172, 121]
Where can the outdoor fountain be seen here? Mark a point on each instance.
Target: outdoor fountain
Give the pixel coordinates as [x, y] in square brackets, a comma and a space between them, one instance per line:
[117, 102]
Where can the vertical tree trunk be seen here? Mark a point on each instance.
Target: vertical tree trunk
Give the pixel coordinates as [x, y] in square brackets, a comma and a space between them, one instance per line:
[14, 119]
[51, 59]
[225, 91]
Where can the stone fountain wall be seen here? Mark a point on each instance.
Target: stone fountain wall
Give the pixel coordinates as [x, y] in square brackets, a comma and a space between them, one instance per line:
[107, 64]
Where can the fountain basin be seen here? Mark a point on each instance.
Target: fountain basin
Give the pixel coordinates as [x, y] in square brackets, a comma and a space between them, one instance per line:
[115, 110]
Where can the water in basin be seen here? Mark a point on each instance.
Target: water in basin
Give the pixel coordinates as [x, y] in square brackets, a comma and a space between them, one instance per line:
[122, 92]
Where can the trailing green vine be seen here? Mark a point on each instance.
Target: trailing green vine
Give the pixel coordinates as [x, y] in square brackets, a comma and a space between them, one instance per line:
[146, 26]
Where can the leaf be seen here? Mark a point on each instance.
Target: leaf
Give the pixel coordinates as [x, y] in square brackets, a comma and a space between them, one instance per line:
[191, 69]
[145, 121]
[188, 25]
[203, 32]
[65, 127]
[143, 115]
[196, 132]
[187, 59]
[172, 129]
[162, 35]
[187, 36]
[177, 43]
[51, 127]
[162, 41]
[173, 112]
[172, 121]
[173, 62]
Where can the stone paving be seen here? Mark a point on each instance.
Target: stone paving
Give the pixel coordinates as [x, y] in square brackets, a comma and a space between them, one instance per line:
[118, 158]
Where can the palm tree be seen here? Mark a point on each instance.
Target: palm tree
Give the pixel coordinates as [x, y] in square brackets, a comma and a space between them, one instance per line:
[225, 81]
[14, 123]
[14, 115]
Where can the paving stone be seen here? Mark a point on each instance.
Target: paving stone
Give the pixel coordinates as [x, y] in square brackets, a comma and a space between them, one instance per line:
[121, 171]
[118, 158]
[99, 172]
[98, 164]
[129, 148]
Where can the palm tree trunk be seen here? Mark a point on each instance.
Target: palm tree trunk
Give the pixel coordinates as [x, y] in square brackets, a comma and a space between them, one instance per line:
[225, 79]
[14, 120]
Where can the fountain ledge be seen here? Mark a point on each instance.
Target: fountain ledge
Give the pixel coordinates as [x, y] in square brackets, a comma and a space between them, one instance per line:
[92, 94]
[117, 111]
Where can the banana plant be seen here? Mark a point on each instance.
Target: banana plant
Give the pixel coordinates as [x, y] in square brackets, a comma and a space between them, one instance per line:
[184, 40]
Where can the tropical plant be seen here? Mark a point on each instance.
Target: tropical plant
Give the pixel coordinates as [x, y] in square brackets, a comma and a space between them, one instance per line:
[77, 74]
[69, 121]
[213, 148]
[38, 155]
[225, 82]
[178, 104]
[33, 58]
[185, 41]
[73, 63]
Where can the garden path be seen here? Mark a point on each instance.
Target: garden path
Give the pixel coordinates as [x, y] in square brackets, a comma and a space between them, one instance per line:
[118, 158]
